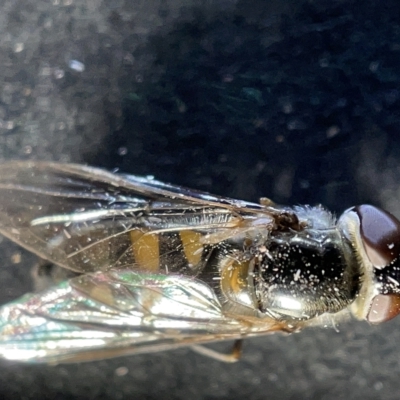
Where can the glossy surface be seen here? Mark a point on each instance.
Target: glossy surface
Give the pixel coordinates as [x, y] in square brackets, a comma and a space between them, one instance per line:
[380, 232]
[161, 266]
[384, 308]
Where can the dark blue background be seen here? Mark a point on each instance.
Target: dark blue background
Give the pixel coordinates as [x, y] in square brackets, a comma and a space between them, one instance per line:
[293, 100]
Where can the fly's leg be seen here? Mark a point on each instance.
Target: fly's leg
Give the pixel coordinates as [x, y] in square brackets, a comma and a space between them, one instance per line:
[231, 357]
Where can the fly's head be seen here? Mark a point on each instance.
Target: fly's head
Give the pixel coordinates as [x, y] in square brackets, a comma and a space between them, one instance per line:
[375, 237]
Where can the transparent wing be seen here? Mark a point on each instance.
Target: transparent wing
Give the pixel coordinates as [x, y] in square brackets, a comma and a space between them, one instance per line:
[120, 312]
[88, 219]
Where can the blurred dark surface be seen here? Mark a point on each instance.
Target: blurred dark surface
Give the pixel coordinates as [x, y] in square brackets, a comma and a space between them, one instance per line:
[294, 100]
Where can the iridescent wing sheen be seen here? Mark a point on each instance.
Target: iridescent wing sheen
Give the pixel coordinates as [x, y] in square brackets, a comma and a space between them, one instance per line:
[87, 219]
[119, 312]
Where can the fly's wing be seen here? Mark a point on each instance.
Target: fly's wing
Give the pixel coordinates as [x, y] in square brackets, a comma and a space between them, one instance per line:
[120, 312]
[88, 219]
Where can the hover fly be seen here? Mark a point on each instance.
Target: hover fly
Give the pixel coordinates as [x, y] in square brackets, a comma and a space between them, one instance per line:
[157, 266]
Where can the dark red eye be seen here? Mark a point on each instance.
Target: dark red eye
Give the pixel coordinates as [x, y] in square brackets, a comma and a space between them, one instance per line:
[384, 307]
[380, 233]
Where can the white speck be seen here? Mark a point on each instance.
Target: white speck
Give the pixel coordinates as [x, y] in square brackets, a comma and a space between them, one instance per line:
[16, 258]
[76, 65]
[27, 150]
[289, 303]
[262, 249]
[45, 71]
[296, 276]
[9, 125]
[18, 47]
[390, 246]
[121, 371]
[58, 73]
[332, 131]
[122, 151]
[393, 281]
[373, 66]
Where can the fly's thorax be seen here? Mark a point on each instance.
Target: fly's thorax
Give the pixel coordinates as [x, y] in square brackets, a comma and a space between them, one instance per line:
[375, 237]
[300, 275]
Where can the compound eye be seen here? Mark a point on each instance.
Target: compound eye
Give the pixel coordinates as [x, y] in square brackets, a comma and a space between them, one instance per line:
[384, 307]
[380, 233]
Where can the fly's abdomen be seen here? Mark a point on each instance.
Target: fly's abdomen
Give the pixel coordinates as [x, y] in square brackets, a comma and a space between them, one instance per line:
[180, 251]
[168, 252]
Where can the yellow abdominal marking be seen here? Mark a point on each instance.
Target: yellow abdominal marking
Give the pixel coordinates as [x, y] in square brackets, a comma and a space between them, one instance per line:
[192, 246]
[236, 289]
[146, 250]
[234, 277]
